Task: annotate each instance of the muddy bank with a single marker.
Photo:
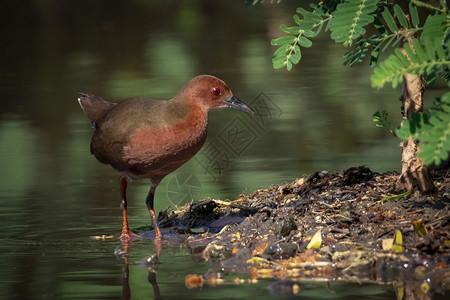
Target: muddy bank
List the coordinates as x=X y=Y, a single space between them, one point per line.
x=367 y=233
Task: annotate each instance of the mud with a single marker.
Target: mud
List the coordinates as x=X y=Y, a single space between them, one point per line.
x=370 y=232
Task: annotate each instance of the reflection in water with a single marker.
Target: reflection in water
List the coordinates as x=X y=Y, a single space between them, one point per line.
x=152 y=280
x=149 y=263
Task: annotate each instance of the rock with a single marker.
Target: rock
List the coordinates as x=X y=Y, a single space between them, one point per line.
x=280 y=250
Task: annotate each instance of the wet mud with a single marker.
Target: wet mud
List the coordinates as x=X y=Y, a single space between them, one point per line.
x=367 y=232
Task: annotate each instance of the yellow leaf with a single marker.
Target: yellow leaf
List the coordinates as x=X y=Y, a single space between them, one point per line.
x=397 y=248
x=316 y=240
x=399 y=289
x=257 y=260
x=387 y=244
x=419 y=227
x=425 y=287
x=398 y=241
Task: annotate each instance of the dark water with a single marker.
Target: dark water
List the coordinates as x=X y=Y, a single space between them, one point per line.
x=55 y=195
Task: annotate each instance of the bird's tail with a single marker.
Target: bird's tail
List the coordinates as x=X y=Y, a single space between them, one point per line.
x=94 y=107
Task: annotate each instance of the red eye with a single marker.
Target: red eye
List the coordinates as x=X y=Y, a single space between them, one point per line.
x=215 y=91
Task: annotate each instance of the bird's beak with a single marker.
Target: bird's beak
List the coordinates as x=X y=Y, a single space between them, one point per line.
x=234 y=102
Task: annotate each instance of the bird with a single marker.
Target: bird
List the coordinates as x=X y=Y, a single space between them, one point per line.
x=146 y=138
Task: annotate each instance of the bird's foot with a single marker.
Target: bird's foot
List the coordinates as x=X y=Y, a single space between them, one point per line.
x=128 y=236
x=158 y=234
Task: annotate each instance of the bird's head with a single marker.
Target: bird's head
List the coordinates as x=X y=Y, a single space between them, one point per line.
x=210 y=92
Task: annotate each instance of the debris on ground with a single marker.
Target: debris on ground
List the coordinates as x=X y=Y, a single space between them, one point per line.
x=351 y=226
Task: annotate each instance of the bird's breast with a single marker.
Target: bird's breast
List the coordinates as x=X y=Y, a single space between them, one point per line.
x=154 y=152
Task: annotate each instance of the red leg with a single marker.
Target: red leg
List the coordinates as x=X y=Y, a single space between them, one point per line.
x=126 y=235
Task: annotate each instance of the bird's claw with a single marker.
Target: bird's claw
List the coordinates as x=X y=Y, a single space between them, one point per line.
x=128 y=236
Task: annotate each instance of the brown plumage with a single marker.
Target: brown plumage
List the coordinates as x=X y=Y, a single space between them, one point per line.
x=147 y=138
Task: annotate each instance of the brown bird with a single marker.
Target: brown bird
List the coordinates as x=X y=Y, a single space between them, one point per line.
x=147 y=138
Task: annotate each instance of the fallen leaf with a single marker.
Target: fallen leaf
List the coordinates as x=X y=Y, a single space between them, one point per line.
x=398 y=241
x=398 y=289
x=316 y=240
x=425 y=287
x=419 y=227
x=386 y=244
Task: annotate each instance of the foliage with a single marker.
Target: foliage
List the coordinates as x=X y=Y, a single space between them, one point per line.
x=421 y=60
x=380 y=118
x=432 y=130
x=350 y=18
x=309 y=25
x=254 y=2
x=421 y=47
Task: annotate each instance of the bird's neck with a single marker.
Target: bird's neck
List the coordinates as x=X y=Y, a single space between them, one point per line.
x=194 y=121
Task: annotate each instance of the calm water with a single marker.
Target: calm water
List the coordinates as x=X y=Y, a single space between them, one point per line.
x=55 y=195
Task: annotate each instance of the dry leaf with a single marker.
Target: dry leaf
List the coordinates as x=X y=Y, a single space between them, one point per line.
x=316 y=240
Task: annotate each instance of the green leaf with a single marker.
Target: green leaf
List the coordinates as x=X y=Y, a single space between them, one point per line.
x=405 y=130
x=440 y=51
x=289 y=39
x=429 y=49
x=397 y=41
x=279 y=62
x=380 y=118
x=281 y=51
x=290 y=30
x=350 y=18
x=419 y=51
x=401 y=58
x=432 y=28
x=288 y=65
x=411 y=55
x=304 y=42
x=295 y=58
x=400 y=16
x=388 y=43
x=389 y=20
x=414 y=15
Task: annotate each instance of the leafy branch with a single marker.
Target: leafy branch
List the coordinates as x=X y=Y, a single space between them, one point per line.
x=307 y=27
x=421 y=50
x=385 y=38
x=350 y=18
x=432 y=130
x=381 y=120
x=431 y=7
x=416 y=61
x=254 y=2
